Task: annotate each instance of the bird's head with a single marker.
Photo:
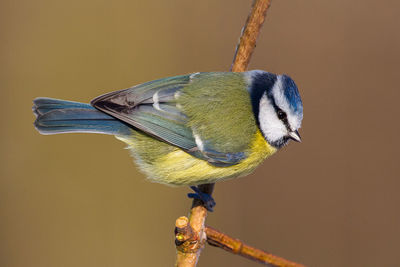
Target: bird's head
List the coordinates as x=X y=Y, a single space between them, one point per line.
x=277 y=106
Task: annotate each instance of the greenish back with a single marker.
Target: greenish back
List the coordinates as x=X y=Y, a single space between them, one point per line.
x=219 y=111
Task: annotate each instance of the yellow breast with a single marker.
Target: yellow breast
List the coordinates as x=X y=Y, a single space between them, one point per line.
x=177 y=167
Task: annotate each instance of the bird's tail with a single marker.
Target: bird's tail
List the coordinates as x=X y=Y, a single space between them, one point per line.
x=54 y=116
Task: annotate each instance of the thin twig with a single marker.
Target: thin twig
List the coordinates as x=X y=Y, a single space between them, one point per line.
x=190 y=234
x=250 y=32
x=218 y=239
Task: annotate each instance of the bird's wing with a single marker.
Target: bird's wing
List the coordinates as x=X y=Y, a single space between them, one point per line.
x=156 y=109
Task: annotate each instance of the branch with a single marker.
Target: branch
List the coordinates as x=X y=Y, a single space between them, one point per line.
x=250 y=32
x=235 y=246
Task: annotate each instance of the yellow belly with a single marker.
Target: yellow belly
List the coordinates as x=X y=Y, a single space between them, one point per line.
x=173 y=166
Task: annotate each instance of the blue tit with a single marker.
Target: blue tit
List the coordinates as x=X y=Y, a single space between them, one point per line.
x=190 y=129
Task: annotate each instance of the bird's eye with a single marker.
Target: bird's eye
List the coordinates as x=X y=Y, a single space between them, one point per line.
x=281 y=115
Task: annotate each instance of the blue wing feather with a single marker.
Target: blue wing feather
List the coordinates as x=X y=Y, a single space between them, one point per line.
x=161 y=118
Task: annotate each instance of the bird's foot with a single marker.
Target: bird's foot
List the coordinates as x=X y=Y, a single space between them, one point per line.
x=209 y=202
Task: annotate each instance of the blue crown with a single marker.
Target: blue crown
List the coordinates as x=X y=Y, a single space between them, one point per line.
x=292 y=94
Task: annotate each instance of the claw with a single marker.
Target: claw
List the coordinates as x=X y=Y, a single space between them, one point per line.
x=207 y=199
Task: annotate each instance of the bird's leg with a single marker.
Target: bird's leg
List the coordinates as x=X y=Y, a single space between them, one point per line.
x=209 y=202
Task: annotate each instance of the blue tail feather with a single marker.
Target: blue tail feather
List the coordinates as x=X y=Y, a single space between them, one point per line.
x=56 y=116
x=43 y=105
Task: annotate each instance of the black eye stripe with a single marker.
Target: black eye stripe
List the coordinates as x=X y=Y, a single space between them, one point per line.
x=286 y=122
x=278 y=110
x=282 y=116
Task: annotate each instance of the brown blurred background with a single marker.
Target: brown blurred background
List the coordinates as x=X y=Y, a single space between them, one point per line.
x=77 y=200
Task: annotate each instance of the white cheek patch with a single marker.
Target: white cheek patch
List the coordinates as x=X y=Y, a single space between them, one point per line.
x=272 y=128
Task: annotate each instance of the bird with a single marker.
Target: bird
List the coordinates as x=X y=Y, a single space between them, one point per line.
x=191 y=129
